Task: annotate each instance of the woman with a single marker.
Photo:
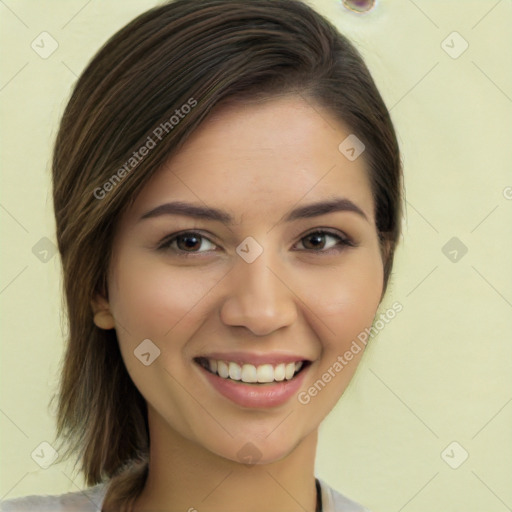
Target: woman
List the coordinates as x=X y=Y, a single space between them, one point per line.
x=227 y=193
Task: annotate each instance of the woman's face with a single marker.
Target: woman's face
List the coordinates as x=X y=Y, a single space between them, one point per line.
x=260 y=289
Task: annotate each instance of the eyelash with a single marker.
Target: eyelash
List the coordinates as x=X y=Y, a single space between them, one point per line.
x=343 y=242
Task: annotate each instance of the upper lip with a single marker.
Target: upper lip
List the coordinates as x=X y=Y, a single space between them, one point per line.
x=255 y=359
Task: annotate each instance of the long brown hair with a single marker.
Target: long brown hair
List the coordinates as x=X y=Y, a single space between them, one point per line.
x=198 y=53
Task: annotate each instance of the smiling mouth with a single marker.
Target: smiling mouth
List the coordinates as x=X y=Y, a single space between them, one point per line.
x=252 y=374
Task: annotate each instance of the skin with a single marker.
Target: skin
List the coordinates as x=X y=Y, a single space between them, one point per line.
x=269 y=157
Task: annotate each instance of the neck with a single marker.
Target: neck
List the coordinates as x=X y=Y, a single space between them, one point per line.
x=183 y=476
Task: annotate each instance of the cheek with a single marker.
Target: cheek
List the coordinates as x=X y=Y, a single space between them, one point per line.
x=346 y=298
x=150 y=298
x=344 y=306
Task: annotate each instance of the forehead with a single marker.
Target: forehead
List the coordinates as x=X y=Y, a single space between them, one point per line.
x=271 y=155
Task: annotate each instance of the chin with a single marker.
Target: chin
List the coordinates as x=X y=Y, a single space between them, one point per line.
x=266 y=448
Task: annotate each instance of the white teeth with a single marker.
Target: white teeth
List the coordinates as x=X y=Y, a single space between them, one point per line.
x=222 y=369
x=290 y=370
x=235 y=372
x=280 y=372
x=266 y=373
x=251 y=374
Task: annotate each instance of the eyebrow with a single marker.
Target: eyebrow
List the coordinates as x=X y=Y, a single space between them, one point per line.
x=337 y=204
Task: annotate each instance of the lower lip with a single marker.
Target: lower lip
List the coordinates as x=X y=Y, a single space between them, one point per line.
x=256 y=395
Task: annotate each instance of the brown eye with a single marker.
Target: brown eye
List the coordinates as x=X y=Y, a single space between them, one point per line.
x=187 y=242
x=317 y=241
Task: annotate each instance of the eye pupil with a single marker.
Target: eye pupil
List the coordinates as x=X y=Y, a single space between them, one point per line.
x=190 y=241
x=318 y=239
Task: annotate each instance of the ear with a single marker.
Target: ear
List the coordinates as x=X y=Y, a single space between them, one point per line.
x=103 y=317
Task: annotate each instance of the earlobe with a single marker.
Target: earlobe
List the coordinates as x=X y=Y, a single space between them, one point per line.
x=103 y=317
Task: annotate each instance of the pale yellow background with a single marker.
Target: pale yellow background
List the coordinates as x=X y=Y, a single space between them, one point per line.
x=439 y=372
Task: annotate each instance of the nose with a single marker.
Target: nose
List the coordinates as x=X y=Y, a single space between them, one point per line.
x=259 y=297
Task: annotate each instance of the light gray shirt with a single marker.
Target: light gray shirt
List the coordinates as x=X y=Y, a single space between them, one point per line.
x=91 y=500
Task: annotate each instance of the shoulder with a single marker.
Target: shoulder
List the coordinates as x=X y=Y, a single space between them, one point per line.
x=88 y=500
x=333 y=501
